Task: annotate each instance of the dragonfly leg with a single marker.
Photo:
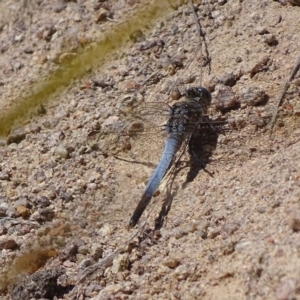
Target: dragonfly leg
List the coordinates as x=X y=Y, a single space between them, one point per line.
x=159 y=221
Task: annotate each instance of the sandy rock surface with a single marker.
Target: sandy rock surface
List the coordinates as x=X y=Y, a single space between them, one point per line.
x=233 y=230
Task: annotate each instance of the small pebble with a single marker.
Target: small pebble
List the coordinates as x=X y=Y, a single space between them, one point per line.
x=262 y=30
x=106 y=230
x=69 y=251
x=22 y=211
x=229 y=228
x=228 y=79
x=61 y=151
x=77 y=18
x=4 y=176
x=16 y=136
x=224 y=98
x=59 y=7
x=68 y=264
x=34 y=128
x=137 y=36
x=182 y=272
x=102 y=15
x=261 y=209
x=47 y=214
x=131 y=85
x=83 y=249
x=86 y=263
x=120 y=263
x=8 y=243
x=228 y=248
x=50 y=123
x=238 y=59
x=175 y=94
x=270 y=39
x=96 y=251
x=213 y=232
x=253 y=95
x=42 y=201
x=243 y=246
x=294 y=221
x=171 y=263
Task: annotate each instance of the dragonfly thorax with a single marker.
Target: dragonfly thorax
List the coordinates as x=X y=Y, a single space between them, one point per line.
x=185 y=116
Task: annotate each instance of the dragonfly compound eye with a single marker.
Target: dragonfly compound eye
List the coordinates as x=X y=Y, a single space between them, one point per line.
x=199 y=94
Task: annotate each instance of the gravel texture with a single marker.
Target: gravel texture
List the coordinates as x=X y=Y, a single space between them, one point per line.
x=233 y=232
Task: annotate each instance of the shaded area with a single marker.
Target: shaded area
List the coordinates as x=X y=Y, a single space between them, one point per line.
x=42 y=284
x=201 y=146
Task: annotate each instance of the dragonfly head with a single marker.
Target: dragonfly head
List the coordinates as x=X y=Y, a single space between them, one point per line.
x=199 y=94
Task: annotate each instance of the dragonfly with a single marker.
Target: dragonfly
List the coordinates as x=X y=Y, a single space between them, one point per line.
x=185 y=117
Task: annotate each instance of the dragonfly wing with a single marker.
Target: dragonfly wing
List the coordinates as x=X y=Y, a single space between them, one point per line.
x=136 y=133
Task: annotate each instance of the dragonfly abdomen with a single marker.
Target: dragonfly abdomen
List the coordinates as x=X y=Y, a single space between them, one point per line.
x=172 y=145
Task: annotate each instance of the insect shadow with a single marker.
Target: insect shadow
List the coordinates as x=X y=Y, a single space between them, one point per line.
x=201 y=146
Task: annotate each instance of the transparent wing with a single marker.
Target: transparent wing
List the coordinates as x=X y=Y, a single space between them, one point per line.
x=138 y=125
